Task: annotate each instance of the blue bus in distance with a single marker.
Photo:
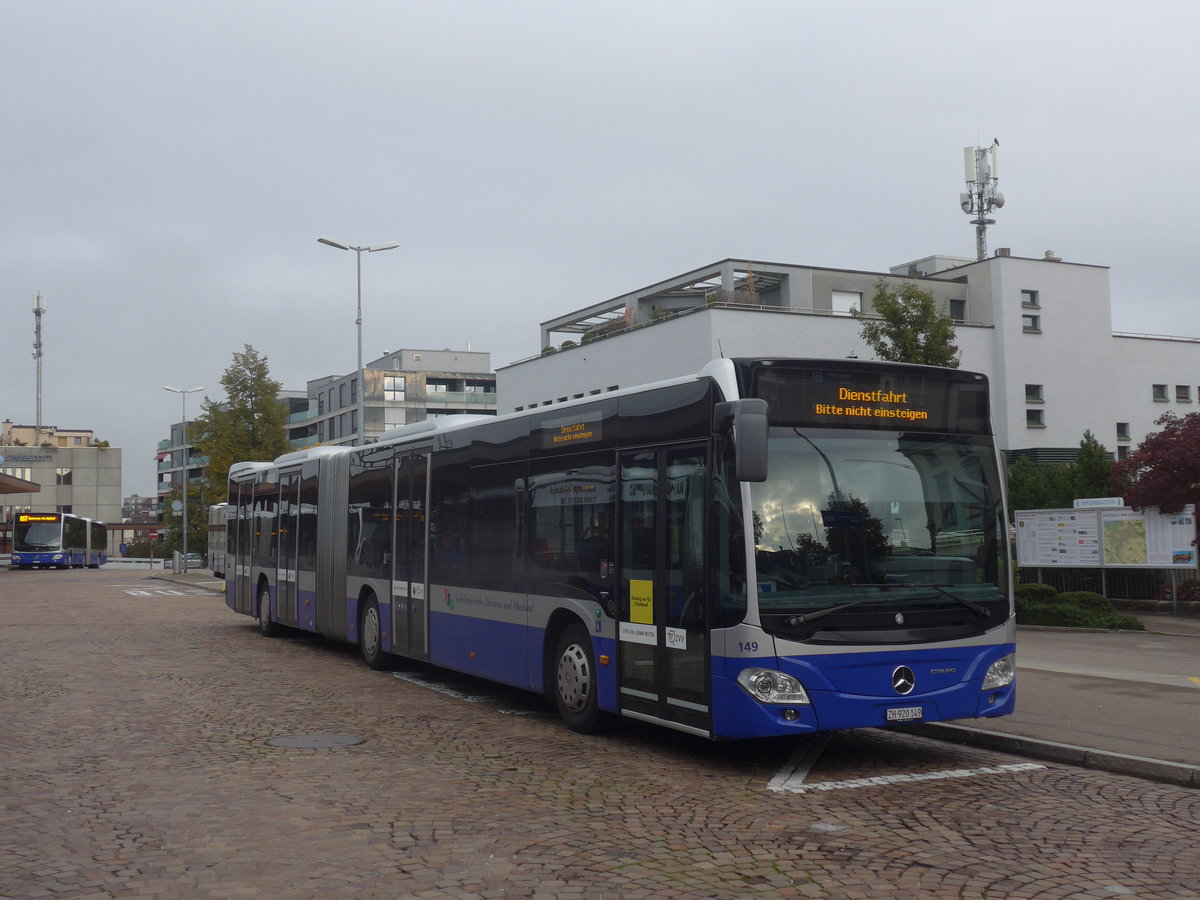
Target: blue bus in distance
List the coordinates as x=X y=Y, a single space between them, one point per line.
x=58 y=541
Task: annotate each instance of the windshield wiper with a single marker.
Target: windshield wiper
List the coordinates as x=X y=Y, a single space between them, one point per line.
x=974 y=607
x=821 y=613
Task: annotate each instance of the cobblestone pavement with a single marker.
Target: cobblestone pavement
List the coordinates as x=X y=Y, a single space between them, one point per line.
x=134 y=730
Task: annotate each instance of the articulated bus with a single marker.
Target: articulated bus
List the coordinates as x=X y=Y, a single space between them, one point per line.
x=59 y=541
x=769 y=547
x=217 y=540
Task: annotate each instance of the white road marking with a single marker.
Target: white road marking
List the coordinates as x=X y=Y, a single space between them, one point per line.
x=441 y=687
x=787 y=785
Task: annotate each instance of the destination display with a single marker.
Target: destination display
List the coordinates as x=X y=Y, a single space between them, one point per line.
x=1102 y=537
x=569 y=433
x=946 y=400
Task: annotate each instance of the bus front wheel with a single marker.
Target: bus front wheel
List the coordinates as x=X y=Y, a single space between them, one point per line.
x=575 y=690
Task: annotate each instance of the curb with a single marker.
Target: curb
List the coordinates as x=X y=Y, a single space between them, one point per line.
x=1180 y=774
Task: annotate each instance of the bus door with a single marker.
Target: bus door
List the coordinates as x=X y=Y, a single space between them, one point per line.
x=662 y=627
x=238 y=567
x=410 y=606
x=288 y=527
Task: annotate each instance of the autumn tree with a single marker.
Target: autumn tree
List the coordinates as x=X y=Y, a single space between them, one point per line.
x=907 y=327
x=1164 y=471
x=250 y=424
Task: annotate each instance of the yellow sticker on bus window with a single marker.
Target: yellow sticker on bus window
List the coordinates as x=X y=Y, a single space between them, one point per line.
x=641 y=601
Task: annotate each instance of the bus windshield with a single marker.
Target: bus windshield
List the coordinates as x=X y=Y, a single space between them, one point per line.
x=30 y=536
x=879 y=530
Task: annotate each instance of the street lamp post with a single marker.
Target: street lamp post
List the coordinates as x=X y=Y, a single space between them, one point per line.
x=362 y=376
x=183 y=392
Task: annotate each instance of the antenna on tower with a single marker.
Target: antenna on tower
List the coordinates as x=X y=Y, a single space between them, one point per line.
x=38 y=310
x=981 y=196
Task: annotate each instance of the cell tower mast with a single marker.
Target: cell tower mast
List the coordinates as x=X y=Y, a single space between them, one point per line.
x=38 y=311
x=981 y=197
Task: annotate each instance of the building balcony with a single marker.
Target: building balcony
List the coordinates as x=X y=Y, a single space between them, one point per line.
x=460 y=398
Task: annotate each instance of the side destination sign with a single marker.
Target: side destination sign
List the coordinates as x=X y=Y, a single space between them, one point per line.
x=944 y=400
x=566 y=434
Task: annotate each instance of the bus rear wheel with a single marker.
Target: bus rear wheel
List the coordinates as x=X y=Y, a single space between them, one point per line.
x=370 y=636
x=266 y=627
x=575 y=687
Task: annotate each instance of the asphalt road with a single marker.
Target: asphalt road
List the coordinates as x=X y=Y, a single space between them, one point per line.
x=1122 y=692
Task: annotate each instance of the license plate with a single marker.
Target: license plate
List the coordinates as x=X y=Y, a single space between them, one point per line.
x=905 y=714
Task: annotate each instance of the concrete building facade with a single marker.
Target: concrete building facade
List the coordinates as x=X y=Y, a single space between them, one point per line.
x=1039 y=328
x=84 y=480
x=402 y=386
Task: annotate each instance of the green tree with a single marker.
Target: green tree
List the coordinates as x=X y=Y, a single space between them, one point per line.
x=908 y=328
x=1057 y=485
x=1092 y=470
x=1029 y=485
x=250 y=424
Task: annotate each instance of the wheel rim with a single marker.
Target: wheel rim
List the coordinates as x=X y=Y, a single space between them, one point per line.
x=370 y=631
x=264 y=606
x=574 y=678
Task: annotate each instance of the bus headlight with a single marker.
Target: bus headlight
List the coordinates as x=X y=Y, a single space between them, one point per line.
x=770 y=686
x=1000 y=673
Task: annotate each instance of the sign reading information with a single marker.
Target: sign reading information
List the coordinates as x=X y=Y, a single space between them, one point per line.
x=1101 y=536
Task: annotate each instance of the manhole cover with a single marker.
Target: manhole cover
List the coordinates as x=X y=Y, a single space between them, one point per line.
x=314 y=741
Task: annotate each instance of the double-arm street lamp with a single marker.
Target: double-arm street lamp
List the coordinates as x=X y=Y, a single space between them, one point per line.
x=183 y=392
x=358 y=252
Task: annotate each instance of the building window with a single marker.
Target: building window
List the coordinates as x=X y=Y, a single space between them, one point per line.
x=62 y=476
x=393 y=417
x=1030 y=299
x=435 y=387
x=958 y=310
x=1033 y=394
x=846 y=302
x=1123 y=452
x=1160 y=393
x=393 y=387
x=1031 y=324
x=353 y=390
x=1035 y=418
x=1123 y=431
x=1183 y=393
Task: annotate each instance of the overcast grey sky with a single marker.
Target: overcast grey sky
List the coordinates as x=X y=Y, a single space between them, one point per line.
x=168 y=168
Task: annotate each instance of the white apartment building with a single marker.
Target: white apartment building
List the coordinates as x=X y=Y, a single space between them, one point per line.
x=1039 y=328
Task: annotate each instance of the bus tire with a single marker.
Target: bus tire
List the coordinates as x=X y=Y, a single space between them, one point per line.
x=266 y=627
x=370 y=635
x=576 y=693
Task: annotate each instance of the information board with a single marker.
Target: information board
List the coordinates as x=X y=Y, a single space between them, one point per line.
x=1120 y=538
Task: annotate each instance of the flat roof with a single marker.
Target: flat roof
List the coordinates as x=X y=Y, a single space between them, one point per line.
x=11 y=484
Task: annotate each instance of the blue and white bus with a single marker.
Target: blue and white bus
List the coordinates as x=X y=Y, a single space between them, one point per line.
x=58 y=540
x=769 y=547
